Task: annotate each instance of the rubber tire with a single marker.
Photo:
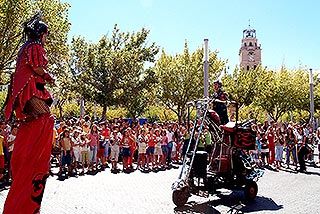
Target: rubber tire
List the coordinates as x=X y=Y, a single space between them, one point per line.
x=251 y=190
x=180 y=197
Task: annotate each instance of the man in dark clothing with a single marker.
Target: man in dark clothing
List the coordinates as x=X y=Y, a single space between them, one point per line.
x=302 y=153
x=220 y=108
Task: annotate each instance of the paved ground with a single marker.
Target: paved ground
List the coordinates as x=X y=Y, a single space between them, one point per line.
x=279 y=192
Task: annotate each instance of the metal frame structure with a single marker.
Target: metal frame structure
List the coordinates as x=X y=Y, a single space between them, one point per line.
x=181 y=186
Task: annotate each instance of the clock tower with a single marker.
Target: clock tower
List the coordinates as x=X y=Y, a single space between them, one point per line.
x=250 y=51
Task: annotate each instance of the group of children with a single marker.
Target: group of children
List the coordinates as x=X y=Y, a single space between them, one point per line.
x=81 y=146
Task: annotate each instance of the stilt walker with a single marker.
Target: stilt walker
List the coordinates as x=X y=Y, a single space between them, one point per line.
x=29 y=100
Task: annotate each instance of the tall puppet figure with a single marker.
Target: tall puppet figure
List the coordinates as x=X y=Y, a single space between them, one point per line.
x=29 y=100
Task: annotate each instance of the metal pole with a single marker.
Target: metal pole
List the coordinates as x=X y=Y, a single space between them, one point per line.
x=188 y=122
x=206 y=68
x=81 y=107
x=311 y=99
x=95 y=111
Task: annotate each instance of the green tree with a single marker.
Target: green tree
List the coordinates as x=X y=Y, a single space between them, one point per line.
x=13 y=13
x=181 y=78
x=135 y=97
x=243 y=86
x=283 y=91
x=69 y=87
x=112 y=72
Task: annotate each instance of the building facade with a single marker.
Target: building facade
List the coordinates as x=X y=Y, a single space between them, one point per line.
x=250 y=51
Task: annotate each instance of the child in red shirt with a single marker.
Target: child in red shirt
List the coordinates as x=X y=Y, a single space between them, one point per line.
x=150 y=149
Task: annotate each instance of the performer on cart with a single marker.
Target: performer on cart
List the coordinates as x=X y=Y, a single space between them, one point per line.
x=29 y=100
x=220 y=108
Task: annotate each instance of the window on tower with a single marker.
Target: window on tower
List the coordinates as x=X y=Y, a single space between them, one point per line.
x=248 y=68
x=245 y=44
x=254 y=67
x=250 y=44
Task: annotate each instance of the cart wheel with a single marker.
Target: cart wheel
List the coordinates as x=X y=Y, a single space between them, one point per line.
x=251 y=190
x=180 y=197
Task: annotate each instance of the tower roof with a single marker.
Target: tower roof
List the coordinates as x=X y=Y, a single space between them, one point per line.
x=249 y=33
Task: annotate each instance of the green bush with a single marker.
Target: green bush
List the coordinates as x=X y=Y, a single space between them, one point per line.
x=160 y=114
x=3 y=95
x=115 y=113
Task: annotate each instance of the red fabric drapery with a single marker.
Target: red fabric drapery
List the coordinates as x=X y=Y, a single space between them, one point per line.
x=23 y=84
x=30 y=165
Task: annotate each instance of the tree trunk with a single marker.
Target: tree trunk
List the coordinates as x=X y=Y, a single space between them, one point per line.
x=184 y=116
x=104 y=112
x=179 y=115
x=165 y=115
x=60 y=112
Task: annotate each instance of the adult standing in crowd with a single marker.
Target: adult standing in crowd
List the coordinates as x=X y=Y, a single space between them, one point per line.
x=271 y=142
x=302 y=149
x=29 y=99
x=279 y=142
x=170 y=136
x=291 y=147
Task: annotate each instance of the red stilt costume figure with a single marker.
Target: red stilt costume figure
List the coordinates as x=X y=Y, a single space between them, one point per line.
x=30 y=101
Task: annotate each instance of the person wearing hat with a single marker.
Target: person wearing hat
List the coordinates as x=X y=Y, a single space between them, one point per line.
x=220 y=108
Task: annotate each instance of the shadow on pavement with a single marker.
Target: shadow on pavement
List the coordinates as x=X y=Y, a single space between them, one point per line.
x=308 y=172
x=261 y=203
x=288 y=170
x=193 y=207
x=232 y=202
x=311 y=173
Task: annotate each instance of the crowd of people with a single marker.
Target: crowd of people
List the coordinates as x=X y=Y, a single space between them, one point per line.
x=80 y=146
x=297 y=141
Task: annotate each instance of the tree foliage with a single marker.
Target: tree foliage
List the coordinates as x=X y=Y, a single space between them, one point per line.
x=112 y=72
x=243 y=86
x=283 y=91
x=275 y=92
x=181 y=78
x=13 y=13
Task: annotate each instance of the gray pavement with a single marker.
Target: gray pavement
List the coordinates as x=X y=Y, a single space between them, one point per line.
x=279 y=192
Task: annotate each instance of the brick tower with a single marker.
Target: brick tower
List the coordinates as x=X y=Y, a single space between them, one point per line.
x=250 y=51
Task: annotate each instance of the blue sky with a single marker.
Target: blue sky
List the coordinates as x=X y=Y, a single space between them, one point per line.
x=288 y=31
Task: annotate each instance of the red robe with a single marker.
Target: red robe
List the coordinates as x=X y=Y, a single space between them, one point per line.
x=24 y=80
x=32 y=149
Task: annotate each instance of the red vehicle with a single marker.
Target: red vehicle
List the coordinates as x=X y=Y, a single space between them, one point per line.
x=227 y=165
